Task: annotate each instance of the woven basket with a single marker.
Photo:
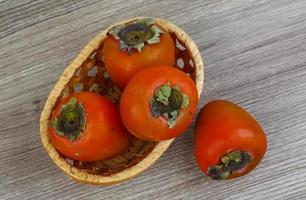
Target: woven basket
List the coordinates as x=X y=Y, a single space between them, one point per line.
x=87 y=73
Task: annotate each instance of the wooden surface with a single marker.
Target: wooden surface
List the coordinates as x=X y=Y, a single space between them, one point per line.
x=255 y=55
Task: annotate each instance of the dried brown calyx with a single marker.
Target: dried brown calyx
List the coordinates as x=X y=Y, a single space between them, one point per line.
x=230 y=163
x=71 y=120
x=136 y=35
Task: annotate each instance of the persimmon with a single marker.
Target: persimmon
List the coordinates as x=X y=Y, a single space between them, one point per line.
x=86 y=126
x=229 y=142
x=132 y=47
x=158 y=103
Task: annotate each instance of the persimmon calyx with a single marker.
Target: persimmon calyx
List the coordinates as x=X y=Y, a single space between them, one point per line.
x=167 y=103
x=136 y=35
x=71 y=121
x=230 y=163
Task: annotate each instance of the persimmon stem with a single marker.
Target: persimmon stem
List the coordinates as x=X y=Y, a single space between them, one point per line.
x=167 y=102
x=136 y=35
x=230 y=163
x=71 y=121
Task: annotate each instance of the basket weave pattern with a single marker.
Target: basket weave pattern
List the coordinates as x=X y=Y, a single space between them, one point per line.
x=87 y=73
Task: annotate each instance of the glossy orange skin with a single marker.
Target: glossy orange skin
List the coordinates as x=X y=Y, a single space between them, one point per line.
x=135 y=108
x=222 y=127
x=122 y=67
x=104 y=135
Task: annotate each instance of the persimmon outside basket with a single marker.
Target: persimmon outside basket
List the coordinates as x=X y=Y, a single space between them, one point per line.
x=87 y=73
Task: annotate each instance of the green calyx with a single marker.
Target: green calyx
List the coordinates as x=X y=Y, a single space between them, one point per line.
x=230 y=163
x=136 y=35
x=167 y=102
x=71 y=121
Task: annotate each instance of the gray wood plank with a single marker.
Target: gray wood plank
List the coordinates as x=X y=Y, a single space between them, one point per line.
x=254 y=53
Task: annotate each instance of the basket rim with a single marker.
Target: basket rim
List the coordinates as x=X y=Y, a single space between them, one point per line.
x=158 y=150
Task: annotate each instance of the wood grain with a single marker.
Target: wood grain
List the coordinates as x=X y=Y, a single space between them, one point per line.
x=255 y=55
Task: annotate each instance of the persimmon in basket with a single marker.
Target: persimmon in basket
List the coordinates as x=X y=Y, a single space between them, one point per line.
x=159 y=103
x=86 y=126
x=131 y=47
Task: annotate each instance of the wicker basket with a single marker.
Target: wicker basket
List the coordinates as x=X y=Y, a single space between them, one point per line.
x=87 y=73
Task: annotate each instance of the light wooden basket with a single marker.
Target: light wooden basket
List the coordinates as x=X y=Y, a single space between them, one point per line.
x=87 y=73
